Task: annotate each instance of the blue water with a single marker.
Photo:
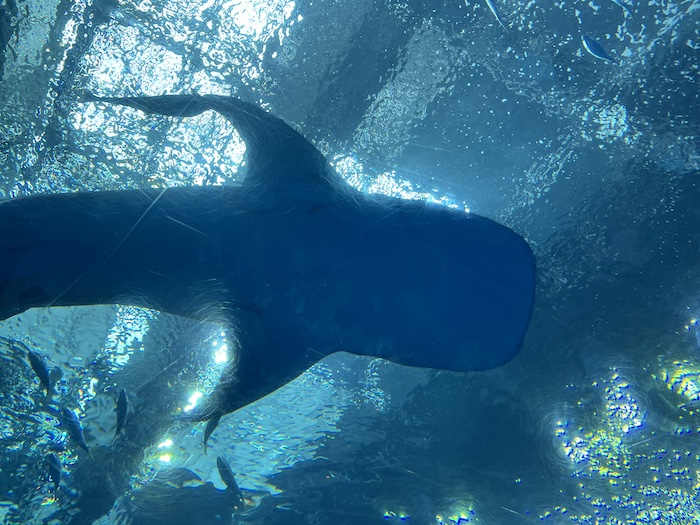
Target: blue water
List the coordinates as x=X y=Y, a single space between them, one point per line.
x=596 y=164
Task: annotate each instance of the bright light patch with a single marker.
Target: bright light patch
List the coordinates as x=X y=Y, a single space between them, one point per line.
x=387 y=183
x=192 y=402
x=258 y=20
x=683 y=378
x=126 y=335
x=166 y=443
x=91 y=387
x=452 y=520
x=47 y=501
x=221 y=354
x=165 y=458
x=193 y=483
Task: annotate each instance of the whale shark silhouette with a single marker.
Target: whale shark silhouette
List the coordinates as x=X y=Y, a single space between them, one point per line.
x=303 y=264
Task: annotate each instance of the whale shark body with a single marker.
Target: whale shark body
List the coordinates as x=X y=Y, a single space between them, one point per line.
x=301 y=263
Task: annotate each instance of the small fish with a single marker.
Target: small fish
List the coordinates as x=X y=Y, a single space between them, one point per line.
x=492 y=7
x=122 y=410
x=595 y=49
x=226 y=475
x=41 y=370
x=211 y=426
x=54 y=465
x=75 y=429
x=625 y=7
x=55 y=376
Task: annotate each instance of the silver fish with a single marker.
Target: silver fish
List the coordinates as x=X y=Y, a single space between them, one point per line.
x=625 y=7
x=55 y=468
x=595 y=49
x=74 y=428
x=492 y=7
x=229 y=480
x=41 y=370
x=122 y=410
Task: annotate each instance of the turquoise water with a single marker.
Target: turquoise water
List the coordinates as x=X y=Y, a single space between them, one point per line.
x=595 y=164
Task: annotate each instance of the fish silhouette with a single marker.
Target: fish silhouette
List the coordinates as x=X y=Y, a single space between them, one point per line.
x=122 y=411
x=53 y=464
x=492 y=6
x=595 y=49
x=209 y=429
x=302 y=264
x=74 y=428
x=226 y=475
x=41 y=371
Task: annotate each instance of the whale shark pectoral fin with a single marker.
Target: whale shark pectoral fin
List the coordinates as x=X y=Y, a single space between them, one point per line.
x=280 y=158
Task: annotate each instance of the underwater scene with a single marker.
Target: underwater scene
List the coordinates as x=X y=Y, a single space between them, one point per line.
x=333 y=262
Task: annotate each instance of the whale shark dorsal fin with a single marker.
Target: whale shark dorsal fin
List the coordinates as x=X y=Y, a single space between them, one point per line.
x=279 y=158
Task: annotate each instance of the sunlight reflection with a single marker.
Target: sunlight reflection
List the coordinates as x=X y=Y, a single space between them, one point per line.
x=126 y=335
x=192 y=401
x=257 y=20
x=221 y=354
x=165 y=443
x=387 y=183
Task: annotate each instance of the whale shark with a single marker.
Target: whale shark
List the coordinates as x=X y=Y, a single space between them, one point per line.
x=299 y=262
